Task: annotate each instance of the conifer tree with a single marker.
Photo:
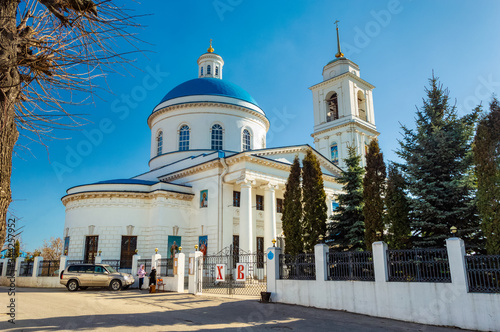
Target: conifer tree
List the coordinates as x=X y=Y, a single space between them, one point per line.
x=347 y=228
x=487 y=162
x=438 y=167
x=373 y=194
x=292 y=211
x=314 y=202
x=397 y=217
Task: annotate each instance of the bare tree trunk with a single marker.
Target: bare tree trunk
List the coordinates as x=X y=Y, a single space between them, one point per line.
x=9 y=92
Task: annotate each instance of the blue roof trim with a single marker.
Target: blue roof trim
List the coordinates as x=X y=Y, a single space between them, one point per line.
x=209 y=86
x=127 y=181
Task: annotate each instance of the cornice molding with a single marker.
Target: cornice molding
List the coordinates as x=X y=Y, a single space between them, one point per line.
x=205 y=104
x=129 y=195
x=339 y=77
x=347 y=124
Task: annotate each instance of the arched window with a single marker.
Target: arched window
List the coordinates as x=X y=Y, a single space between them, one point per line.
x=209 y=70
x=216 y=70
x=246 y=140
x=216 y=137
x=184 y=138
x=333 y=108
x=201 y=73
x=334 y=153
x=361 y=106
x=159 y=143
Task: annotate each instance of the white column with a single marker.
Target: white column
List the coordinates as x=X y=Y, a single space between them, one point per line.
x=246 y=218
x=456 y=257
x=320 y=251
x=196 y=278
x=3 y=272
x=18 y=266
x=269 y=215
x=379 y=250
x=98 y=259
x=62 y=263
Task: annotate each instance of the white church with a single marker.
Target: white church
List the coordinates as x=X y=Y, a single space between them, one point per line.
x=212 y=181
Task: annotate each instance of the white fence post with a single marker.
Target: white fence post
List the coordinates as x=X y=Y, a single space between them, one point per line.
x=273 y=269
x=154 y=261
x=181 y=258
x=379 y=251
x=135 y=262
x=18 y=265
x=36 y=265
x=62 y=263
x=456 y=257
x=98 y=259
x=320 y=251
x=196 y=276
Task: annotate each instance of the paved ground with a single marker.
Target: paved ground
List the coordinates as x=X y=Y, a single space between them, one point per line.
x=131 y=310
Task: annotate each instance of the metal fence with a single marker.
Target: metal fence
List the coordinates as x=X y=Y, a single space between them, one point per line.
x=299 y=267
x=351 y=265
x=26 y=269
x=48 y=268
x=11 y=267
x=483 y=273
x=165 y=267
x=418 y=265
x=1 y=268
x=116 y=264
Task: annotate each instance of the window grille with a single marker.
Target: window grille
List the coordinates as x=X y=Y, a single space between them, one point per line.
x=159 y=142
x=217 y=137
x=246 y=140
x=279 y=205
x=184 y=138
x=260 y=202
x=236 y=198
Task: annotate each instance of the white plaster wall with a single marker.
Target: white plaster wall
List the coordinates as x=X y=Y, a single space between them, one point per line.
x=200 y=121
x=40 y=282
x=428 y=303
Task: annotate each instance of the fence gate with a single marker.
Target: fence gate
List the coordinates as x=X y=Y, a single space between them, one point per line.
x=234 y=272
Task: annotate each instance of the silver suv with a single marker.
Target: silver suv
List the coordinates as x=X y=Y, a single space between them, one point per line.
x=94 y=275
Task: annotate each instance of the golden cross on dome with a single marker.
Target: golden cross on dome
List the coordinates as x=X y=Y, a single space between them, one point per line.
x=210 y=49
x=339 y=53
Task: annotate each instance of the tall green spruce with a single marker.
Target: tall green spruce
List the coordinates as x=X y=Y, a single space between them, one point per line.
x=487 y=161
x=347 y=228
x=397 y=210
x=373 y=193
x=314 y=202
x=438 y=169
x=292 y=211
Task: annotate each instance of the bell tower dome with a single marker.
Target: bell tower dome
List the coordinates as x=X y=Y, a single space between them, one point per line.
x=343 y=110
x=210 y=64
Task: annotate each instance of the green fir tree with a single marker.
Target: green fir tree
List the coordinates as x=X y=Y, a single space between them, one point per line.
x=347 y=228
x=438 y=169
x=397 y=210
x=373 y=195
x=487 y=166
x=314 y=202
x=292 y=211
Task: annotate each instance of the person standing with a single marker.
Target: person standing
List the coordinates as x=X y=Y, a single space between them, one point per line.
x=141 y=273
x=152 y=279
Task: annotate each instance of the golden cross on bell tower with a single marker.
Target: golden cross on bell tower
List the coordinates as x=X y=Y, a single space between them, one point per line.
x=210 y=49
x=339 y=53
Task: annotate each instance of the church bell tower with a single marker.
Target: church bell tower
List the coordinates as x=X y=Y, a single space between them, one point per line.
x=343 y=110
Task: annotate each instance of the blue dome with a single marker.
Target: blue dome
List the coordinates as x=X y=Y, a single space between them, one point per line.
x=209 y=86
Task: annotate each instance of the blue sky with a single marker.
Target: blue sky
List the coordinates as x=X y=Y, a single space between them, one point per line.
x=275 y=50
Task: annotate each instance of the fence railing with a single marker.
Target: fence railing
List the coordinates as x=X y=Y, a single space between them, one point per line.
x=351 y=265
x=165 y=267
x=300 y=267
x=418 y=265
x=1 y=268
x=483 y=273
x=117 y=265
x=48 y=268
x=11 y=267
x=26 y=269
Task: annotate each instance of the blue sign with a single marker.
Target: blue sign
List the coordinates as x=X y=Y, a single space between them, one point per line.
x=270 y=255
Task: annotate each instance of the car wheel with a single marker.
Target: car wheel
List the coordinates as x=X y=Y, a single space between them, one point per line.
x=125 y=287
x=115 y=285
x=83 y=288
x=72 y=285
